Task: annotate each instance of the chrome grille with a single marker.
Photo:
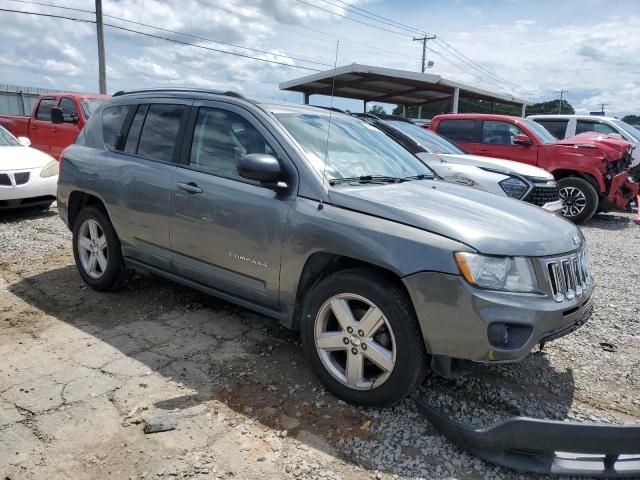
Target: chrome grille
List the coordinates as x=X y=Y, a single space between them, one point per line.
x=569 y=276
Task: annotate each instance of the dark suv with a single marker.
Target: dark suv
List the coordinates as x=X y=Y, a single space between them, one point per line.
x=323 y=222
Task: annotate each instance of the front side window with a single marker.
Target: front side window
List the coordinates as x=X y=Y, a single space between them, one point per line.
x=458 y=130
x=557 y=128
x=44 y=109
x=220 y=139
x=499 y=133
x=430 y=141
x=589 y=126
x=349 y=147
x=69 y=110
x=160 y=131
x=112 y=121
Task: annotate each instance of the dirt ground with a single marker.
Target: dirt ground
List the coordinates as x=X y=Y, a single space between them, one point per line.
x=82 y=373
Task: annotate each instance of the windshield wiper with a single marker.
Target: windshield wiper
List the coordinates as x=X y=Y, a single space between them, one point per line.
x=422 y=176
x=367 y=179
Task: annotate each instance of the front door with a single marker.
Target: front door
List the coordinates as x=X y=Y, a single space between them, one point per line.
x=226 y=231
x=40 y=127
x=65 y=133
x=497 y=141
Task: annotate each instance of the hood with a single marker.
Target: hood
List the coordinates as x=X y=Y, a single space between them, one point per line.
x=614 y=148
x=22 y=158
x=491 y=224
x=507 y=166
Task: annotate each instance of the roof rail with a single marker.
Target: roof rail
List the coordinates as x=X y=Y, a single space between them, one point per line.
x=183 y=90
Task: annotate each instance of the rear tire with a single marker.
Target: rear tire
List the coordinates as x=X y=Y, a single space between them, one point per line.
x=579 y=199
x=97 y=251
x=381 y=360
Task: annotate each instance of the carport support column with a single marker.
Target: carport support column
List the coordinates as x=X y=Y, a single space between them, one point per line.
x=456 y=99
x=306 y=98
x=524 y=110
x=364 y=106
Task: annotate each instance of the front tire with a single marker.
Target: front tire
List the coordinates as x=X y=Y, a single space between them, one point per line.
x=579 y=199
x=361 y=337
x=97 y=251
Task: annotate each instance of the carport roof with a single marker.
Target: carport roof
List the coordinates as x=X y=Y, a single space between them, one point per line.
x=387 y=85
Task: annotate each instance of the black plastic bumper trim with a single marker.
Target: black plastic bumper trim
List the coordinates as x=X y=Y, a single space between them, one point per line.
x=547 y=446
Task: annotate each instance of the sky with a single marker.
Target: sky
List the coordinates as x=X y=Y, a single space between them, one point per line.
x=532 y=50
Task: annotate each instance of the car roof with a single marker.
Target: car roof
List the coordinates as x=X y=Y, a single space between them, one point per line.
x=476 y=116
x=561 y=116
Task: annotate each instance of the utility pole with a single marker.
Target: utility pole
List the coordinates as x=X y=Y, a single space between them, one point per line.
x=424 y=48
x=602 y=108
x=561 y=92
x=102 y=74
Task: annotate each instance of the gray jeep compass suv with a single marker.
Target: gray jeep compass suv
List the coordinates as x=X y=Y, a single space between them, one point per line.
x=323 y=222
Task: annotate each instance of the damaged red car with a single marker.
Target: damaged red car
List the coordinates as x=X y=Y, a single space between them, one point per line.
x=591 y=168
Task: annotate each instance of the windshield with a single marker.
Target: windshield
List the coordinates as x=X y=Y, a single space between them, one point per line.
x=89 y=105
x=7 y=140
x=542 y=133
x=432 y=142
x=354 y=148
x=633 y=132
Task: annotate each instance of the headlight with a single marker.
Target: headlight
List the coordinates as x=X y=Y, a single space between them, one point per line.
x=513 y=274
x=50 y=169
x=514 y=187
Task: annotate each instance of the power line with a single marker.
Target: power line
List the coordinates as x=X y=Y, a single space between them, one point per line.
x=162 y=38
x=176 y=32
x=354 y=20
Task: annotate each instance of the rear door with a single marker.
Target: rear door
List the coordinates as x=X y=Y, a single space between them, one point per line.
x=145 y=153
x=497 y=141
x=464 y=132
x=226 y=231
x=40 y=127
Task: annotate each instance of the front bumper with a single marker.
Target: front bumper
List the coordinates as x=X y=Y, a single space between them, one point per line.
x=455 y=317
x=621 y=191
x=36 y=191
x=547 y=446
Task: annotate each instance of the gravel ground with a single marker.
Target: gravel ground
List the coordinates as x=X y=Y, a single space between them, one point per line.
x=83 y=374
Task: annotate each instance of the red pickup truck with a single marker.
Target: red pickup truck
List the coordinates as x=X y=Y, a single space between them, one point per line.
x=73 y=110
x=591 y=168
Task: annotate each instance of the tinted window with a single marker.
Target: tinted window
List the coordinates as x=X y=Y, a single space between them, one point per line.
x=44 y=109
x=220 y=139
x=499 y=133
x=131 y=145
x=557 y=128
x=458 y=130
x=69 y=110
x=160 y=131
x=112 y=120
x=588 y=126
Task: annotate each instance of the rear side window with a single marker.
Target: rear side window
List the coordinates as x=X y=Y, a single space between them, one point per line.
x=160 y=131
x=44 y=109
x=458 y=130
x=112 y=121
x=557 y=128
x=589 y=126
x=131 y=146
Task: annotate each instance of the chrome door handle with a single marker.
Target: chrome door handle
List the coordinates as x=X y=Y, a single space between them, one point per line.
x=190 y=187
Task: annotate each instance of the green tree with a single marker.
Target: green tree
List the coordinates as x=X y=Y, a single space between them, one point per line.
x=631 y=119
x=550 y=107
x=377 y=110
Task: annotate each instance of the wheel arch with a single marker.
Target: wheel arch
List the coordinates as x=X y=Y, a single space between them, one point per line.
x=79 y=200
x=564 y=173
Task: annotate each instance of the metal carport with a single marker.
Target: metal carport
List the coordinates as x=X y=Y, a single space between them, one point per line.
x=387 y=85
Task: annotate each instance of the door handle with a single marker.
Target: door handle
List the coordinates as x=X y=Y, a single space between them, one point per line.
x=191 y=187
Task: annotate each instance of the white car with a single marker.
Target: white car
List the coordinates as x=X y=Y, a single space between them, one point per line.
x=28 y=177
x=502 y=177
x=565 y=126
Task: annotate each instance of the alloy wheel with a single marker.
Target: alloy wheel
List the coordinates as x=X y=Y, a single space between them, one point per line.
x=92 y=248
x=355 y=342
x=573 y=201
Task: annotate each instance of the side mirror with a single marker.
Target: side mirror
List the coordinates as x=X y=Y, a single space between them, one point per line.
x=56 y=115
x=263 y=168
x=24 y=141
x=522 y=139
